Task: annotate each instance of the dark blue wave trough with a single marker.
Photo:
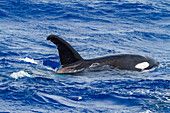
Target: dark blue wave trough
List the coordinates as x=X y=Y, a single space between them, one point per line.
x=28 y=82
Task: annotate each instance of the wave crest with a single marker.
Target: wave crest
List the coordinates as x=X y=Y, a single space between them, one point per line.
x=20 y=74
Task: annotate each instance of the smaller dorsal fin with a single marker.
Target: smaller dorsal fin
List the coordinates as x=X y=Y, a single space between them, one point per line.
x=67 y=53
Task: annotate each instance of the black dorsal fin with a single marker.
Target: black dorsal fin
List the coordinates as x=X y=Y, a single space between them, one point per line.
x=67 y=53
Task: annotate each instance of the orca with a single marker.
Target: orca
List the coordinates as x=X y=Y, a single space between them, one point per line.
x=72 y=62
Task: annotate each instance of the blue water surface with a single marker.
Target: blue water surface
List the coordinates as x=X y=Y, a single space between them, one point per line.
x=29 y=83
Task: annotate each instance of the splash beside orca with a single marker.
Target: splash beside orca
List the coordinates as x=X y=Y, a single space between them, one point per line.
x=72 y=62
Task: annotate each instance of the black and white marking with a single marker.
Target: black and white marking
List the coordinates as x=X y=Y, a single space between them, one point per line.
x=72 y=62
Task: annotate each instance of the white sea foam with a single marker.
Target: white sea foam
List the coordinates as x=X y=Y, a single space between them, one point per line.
x=79 y=98
x=28 y=60
x=49 y=68
x=20 y=74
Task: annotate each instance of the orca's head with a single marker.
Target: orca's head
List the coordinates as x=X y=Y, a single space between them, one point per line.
x=152 y=62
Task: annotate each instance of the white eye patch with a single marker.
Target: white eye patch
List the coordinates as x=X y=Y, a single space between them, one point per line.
x=142 y=65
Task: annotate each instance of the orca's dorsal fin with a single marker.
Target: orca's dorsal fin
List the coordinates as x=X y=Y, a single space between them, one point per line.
x=67 y=53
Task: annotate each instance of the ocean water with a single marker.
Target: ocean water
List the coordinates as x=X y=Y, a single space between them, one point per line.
x=29 y=83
